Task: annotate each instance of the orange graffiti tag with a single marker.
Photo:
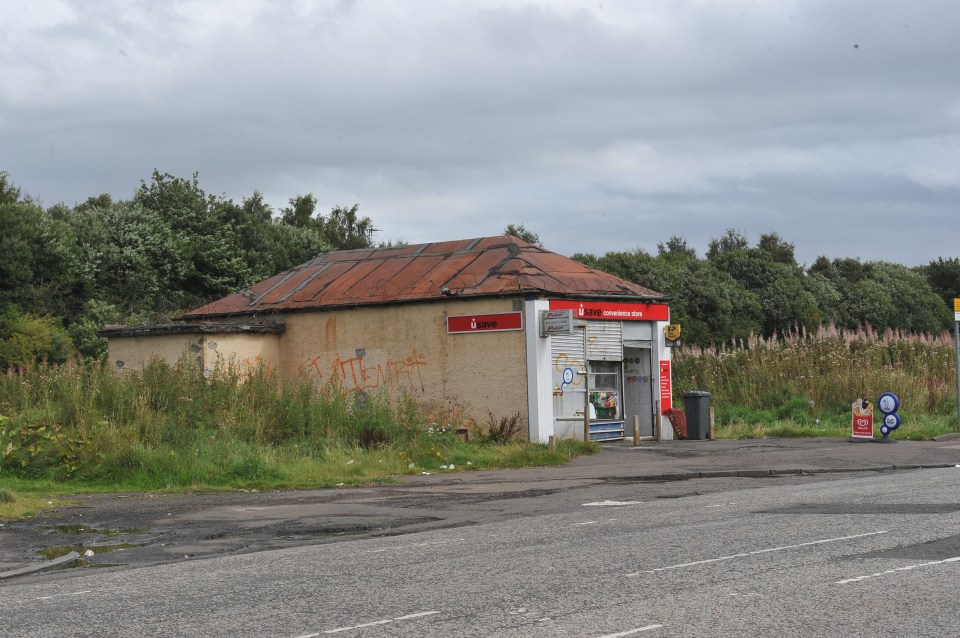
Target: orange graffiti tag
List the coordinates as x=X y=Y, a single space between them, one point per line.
x=359 y=374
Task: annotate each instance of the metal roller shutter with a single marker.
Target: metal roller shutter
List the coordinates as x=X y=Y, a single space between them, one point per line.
x=566 y=351
x=605 y=340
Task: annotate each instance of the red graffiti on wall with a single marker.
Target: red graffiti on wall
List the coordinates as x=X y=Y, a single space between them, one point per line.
x=359 y=374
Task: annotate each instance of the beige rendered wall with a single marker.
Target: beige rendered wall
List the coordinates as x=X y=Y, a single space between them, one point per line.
x=242 y=351
x=407 y=348
x=133 y=353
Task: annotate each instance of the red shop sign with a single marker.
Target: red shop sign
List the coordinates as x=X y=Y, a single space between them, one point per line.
x=495 y=322
x=613 y=311
x=666 y=392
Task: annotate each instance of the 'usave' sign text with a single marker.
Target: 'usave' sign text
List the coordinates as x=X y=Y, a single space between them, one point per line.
x=494 y=322
x=613 y=311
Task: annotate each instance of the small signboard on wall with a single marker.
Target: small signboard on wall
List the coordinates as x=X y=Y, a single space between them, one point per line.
x=556 y=322
x=495 y=322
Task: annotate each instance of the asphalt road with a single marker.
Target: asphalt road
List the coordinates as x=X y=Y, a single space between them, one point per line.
x=876 y=554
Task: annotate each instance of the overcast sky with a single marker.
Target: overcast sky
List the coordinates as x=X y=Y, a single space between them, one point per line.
x=602 y=125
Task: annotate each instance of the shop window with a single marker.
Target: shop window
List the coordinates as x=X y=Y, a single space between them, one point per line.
x=605 y=390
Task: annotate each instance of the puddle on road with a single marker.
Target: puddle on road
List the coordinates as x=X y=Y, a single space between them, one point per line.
x=57 y=552
x=95 y=546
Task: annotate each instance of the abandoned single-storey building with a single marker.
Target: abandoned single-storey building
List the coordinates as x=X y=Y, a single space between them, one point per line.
x=494 y=326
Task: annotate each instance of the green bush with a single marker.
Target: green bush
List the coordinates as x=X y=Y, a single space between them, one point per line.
x=33 y=445
x=27 y=338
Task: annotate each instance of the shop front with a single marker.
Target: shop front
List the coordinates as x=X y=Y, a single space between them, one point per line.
x=611 y=364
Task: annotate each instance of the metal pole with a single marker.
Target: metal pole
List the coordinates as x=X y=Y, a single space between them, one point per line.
x=586 y=388
x=956 y=335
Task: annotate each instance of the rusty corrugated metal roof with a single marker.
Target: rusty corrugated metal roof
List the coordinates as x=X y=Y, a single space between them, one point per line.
x=488 y=266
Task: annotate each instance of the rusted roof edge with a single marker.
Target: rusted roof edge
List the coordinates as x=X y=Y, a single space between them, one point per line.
x=529 y=293
x=204 y=327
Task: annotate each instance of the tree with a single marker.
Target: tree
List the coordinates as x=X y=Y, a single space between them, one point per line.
x=676 y=246
x=732 y=240
x=882 y=294
x=916 y=307
x=257 y=210
x=780 y=250
x=520 y=232
x=206 y=235
x=39 y=261
x=9 y=194
x=943 y=275
x=300 y=212
x=344 y=229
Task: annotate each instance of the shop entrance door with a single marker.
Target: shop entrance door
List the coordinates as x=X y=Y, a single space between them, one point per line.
x=638 y=389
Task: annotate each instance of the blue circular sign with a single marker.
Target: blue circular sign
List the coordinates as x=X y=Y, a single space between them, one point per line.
x=892 y=421
x=888 y=403
x=568 y=375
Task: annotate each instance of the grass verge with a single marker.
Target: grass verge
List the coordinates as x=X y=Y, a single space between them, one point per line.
x=89 y=428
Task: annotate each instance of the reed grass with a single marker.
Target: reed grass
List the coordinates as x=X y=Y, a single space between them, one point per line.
x=804 y=384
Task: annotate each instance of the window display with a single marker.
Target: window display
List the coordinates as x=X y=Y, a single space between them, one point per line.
x=605 y=389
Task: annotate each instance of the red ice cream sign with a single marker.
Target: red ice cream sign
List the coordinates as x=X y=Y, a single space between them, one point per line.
x=613 y=311
x=485 y=323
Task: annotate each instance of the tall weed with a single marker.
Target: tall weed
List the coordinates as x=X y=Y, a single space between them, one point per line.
x=808 y=378
x=173 y=426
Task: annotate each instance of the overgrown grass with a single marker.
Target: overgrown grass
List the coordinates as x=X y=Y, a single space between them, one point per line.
x=804 y=384
x=84 y=427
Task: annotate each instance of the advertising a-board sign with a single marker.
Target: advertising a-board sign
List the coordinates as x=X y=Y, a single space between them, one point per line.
x=613 y=311
x=495 y=322
x=862 y=421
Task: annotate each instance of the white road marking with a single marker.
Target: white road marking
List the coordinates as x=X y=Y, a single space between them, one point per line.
x=374 y=623
x=898 y=569
x=613 y=503
x=721 y=504
x=586 y=523
x=630 y=632
x=754 y=553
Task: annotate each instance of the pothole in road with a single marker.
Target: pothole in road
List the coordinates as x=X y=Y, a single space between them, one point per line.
x=296 y=532
x=83 y=529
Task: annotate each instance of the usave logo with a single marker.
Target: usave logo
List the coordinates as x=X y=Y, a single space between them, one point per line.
x=482 y=325
x=493 y=322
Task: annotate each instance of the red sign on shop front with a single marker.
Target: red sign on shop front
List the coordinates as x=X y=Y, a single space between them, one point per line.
x=613 y=311
x=666 y=391
x=495 y=322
